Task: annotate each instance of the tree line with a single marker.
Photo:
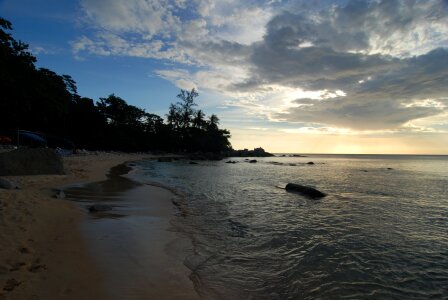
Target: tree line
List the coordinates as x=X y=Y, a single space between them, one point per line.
x=38 y=99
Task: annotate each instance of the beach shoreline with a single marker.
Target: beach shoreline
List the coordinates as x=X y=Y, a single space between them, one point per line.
x=43 y=254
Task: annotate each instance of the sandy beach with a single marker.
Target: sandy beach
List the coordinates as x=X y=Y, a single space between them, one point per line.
x=43 y=254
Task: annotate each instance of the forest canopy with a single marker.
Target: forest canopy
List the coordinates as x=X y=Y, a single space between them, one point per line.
x=38 y=99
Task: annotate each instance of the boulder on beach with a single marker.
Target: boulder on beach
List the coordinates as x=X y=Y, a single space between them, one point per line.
x=304 y=190
x=31 y=161
x=8 y=184
x=310 y=163
x=252 y=161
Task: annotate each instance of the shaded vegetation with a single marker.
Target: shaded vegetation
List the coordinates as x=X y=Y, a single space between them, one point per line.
x=38 y=99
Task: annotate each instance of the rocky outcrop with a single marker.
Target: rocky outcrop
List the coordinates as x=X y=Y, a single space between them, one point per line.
x=304 y=190
x=33 y=161
x=257 y=152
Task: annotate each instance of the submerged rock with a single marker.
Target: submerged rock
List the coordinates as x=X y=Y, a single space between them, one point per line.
x=305 y=190
x=164 y=159
x=99 y=207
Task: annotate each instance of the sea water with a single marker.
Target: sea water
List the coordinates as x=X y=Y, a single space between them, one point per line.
x=381 y=233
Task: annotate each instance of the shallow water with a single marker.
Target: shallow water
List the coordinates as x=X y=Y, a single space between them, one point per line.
x=137 y=250
x=380 y=233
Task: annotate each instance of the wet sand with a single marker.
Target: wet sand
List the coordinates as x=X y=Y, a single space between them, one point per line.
x=44 y=252
x=137 y=249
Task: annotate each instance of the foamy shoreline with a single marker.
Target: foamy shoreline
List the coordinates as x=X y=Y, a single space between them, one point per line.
x=42 y=253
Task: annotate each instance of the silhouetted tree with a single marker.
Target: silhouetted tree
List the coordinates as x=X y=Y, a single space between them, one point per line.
x=199 y=119
x=38 y=99
x=185 y=106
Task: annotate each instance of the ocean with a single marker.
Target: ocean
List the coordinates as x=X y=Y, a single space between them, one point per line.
x=380 y=233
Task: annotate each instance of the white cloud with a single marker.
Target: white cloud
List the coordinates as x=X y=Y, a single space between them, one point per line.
x=368 y=65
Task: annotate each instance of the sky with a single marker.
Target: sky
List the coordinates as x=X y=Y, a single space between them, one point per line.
x=364 y=77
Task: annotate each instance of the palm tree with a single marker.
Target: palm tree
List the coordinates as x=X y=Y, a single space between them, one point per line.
x=213 y=122
x=198 y=119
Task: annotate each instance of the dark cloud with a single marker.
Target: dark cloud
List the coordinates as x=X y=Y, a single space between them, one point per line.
x=333 y=51
x=385 y=101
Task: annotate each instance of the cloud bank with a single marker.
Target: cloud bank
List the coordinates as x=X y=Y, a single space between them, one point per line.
x=376 y=65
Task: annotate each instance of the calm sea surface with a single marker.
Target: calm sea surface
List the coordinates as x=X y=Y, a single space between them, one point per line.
x=381 y=233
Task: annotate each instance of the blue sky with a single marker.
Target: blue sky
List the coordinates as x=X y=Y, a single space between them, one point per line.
x=290 y=76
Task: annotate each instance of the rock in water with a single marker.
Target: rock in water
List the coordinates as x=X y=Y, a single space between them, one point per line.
x=34 y=161
x=304 y=190
x=8 y=184
x=99 y=207
x=164 y=159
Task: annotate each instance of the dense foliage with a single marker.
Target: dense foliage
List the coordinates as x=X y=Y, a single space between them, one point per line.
x=38 y=99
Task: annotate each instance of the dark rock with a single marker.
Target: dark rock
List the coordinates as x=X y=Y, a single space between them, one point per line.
x=8 y=184
x=60 y=194
x=310 y=163
x=99 y=207
x=305 y=190
x=231 y=162
x=390 y=168
x=297 y=155
x=257 y=152
x=292 y=165
x=252 y=161
x=193 y=163
x=164 y=159
x=33 y=161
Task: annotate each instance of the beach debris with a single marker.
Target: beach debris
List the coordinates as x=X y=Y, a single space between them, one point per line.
x=31 y=161
x=305 y=190
x=99 y=208
x=35 y=267
x=11 y=284
x=60 y=194
x=8 y=184
x=252 y=161
x=310 y=163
